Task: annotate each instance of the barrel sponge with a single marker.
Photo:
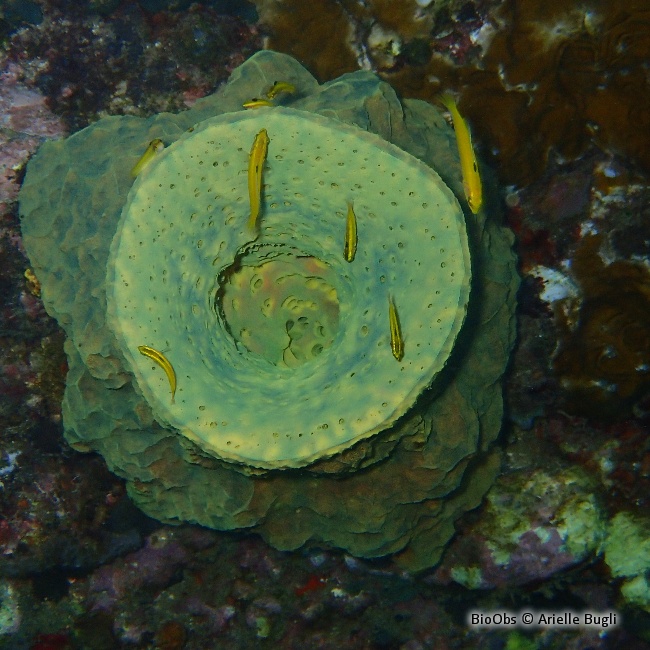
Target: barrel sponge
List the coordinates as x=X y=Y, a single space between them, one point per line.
x=280 y=346
x=291 y=417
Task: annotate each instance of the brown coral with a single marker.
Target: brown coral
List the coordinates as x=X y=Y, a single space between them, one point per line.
x=603 y=359
x=315 y=33
x=581 y=72
x=321 y=34
x=555 y=78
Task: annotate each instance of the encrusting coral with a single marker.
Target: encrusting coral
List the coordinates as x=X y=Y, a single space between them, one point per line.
x=603 y=356
x=554 y=77
x=577 y=76
x=399 y=476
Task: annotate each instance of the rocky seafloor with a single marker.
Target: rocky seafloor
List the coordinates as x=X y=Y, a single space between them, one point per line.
x=565 y=527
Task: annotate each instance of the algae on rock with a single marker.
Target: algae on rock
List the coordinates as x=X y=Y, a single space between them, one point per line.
x=393 y=482
x=627 y=554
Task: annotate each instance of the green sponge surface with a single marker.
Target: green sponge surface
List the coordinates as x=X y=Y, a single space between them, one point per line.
x=281 y=348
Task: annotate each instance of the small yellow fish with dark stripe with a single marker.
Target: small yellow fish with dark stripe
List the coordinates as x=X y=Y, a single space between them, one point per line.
x=350 y=243
x=154 y=148
x=257 y=102
x=163 y=362
x=255 y=165
x=396 y=340
x=468 y=164
x=280 y=87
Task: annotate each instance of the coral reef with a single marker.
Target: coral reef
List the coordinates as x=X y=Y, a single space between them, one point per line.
x=316 y=34
x=553 y=79
x=137 y=64
x=532 y=526
x=557 y=79
x=603 y=359
x=627 y=532
x=65 y=516
x=575 y=87
x=175 y=479
x=24 y=124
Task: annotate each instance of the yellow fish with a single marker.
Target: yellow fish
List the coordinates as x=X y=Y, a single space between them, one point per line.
x=396 y=340
x=162 y=361
x=468 y=164
x=33 y=285
x=154 y=148
x=257 y=103
x=350 y=244
x=280 y=87
x=255 y=165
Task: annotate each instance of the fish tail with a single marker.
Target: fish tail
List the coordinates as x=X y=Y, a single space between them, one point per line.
x=447 y=100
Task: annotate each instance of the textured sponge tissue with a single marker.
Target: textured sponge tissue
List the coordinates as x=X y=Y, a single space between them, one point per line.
x=184 y=230
x=281 y=348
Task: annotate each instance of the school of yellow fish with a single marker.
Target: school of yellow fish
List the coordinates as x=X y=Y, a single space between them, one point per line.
x=256 y=161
